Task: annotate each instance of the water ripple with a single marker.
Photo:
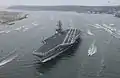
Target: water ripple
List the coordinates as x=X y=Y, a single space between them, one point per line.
x=8 y=58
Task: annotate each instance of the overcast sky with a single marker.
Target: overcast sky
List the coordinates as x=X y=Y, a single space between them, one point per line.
x=59 y=2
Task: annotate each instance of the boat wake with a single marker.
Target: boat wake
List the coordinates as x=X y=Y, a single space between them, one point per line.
x=102 y=68
x=8 y=31
x=111 y=24
x=19 y=29
x=92 y=49
x=35 y=24
x=8 y=58
x=96 y=26
x=25 y=29
x=5 y=32
x=108 y=28
x=22 y=28
x=90 y=33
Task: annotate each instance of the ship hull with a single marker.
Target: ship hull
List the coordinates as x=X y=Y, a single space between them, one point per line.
x=70 y=39
x=50 y=57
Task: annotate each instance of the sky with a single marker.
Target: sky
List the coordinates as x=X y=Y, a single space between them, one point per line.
x=60 y=2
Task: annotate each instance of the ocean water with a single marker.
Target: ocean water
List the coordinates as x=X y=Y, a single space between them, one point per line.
x=18 y=41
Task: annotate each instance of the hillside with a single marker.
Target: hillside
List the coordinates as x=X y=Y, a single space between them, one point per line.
x=67 y=8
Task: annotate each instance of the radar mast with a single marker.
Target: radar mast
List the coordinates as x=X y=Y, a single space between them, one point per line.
x=59 y=28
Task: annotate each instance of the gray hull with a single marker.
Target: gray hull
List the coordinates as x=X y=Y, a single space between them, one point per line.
x=65 y=41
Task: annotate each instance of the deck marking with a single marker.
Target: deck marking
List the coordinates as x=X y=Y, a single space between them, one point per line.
x=66 y=36
x=73 y=36
x=69 y=37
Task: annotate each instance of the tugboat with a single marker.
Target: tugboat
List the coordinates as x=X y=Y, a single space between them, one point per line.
x=58 y=43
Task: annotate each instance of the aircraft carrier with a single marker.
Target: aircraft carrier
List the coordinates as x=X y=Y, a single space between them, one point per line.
x=58 y=43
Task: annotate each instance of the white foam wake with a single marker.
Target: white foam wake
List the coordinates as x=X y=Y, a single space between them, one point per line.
x=25 y=29
x=2 y=32
x=96 y=26
x=8 y=58
x=22 y=28
x=8 y=31
x=115 y=32
x=90 y=33
x=5 y=32
x=92 y=49
x=111 y=24
x=35 y=24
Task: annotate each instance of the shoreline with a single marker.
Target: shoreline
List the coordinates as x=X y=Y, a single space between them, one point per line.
x=7 y=17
